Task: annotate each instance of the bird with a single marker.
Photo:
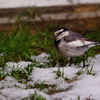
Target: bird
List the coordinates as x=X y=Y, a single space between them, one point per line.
x=72 y=44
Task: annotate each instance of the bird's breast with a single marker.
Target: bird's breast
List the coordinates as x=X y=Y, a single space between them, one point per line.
x=67 y=51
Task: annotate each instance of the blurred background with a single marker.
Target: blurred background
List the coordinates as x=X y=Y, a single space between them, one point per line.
x=78 y=15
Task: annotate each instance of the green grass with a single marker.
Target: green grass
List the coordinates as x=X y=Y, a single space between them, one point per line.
x=79 y=98
x=87 y=71
x=59 y=73
x=34 y=96
x=20 y=44
x=20 y=73
x=15 y=46
x=42 y=86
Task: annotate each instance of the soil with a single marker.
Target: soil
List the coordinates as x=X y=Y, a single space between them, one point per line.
x=75 y=24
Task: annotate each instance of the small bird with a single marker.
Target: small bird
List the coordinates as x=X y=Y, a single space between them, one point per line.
x=72 y=44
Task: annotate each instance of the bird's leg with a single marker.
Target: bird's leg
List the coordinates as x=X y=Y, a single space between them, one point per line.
x=84 y=61
x=71 y=59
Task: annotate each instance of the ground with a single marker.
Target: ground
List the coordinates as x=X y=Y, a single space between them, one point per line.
x=67 y=83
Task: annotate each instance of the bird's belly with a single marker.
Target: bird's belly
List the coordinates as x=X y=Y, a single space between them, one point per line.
x=70 y=54
x=73 y=52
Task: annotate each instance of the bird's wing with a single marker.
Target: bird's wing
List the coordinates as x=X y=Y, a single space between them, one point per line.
x=76 y=40
x=73 y=36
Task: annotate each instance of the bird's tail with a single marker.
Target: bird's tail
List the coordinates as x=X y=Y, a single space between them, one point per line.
x=93 y=44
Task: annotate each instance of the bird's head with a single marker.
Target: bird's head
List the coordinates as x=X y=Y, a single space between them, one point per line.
x=60 y=33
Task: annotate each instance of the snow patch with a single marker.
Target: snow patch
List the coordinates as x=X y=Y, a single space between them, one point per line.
x=86 y=86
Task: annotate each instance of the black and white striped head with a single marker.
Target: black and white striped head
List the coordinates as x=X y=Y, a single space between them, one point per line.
x=60 y=33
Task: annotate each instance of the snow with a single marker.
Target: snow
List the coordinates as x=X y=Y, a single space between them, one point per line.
x=38 y=3
x=85 y=86
x=42 y=58
x=13 y=66
x=9 y=82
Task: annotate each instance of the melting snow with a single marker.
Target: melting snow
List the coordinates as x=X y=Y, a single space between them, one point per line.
x=85 y=86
